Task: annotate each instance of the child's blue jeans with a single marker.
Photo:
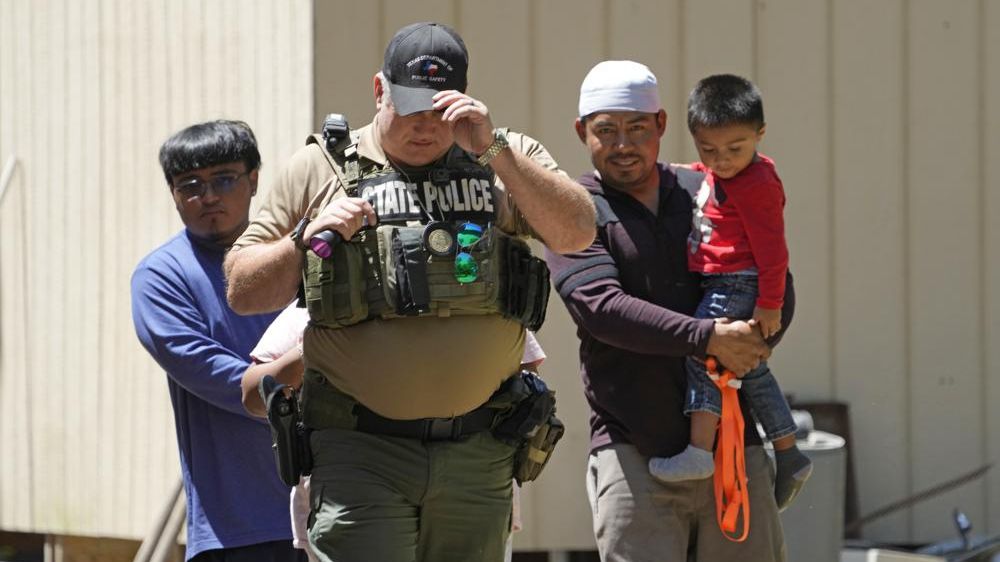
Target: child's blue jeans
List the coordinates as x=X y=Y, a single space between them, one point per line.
x=734 y=296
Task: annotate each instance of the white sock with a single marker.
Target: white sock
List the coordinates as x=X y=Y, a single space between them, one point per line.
x=691 y=464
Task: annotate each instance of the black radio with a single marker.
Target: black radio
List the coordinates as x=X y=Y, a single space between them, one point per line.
x=335 y=129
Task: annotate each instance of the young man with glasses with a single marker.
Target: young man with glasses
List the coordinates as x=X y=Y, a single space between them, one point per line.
x=237 y=507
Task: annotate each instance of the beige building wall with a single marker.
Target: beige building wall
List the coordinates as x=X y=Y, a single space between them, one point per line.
x=881 y=118
x=88 y=91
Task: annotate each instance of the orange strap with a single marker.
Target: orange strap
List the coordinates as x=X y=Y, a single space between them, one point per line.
x=731 y=495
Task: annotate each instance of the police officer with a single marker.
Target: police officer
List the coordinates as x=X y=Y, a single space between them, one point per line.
x=419 y=315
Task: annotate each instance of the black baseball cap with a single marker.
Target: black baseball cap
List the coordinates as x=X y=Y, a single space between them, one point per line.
x=421 y=60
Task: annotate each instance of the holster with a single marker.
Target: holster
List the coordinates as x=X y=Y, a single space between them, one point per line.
x=531 y=424
x=290 y=438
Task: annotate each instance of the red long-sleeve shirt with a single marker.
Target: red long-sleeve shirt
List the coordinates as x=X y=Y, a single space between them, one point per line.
x=738 y=225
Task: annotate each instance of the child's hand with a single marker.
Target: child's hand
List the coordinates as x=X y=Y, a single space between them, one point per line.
x=769 y=320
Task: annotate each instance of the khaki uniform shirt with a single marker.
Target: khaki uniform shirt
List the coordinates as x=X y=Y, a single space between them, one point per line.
x=405 y=368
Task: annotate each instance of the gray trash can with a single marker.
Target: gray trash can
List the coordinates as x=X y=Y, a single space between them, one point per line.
x=814 y=524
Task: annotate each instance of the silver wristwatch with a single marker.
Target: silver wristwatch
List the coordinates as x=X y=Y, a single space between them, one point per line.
x=499 y=143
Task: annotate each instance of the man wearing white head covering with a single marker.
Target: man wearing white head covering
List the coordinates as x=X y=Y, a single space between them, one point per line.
x=632 y=297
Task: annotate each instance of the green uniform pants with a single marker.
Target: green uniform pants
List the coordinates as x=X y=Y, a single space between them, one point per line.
x=395 y=499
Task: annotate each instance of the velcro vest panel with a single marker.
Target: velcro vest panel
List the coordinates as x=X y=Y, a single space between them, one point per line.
x=340 y=296
x=370 y=277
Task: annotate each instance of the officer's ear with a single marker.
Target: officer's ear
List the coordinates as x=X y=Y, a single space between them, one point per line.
x=581 y=129
x=379 y=90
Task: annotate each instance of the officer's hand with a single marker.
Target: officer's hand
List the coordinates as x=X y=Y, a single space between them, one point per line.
x=738 y=346
x=345 y=215
x=468 y=118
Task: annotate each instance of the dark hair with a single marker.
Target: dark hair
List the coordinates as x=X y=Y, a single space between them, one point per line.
x=724 y=99
x=209 y=144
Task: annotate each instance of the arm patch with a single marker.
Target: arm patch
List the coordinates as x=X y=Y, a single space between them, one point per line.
x=583 y=272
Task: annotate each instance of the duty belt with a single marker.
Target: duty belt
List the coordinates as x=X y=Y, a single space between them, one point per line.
x=325 y=407
x=426 y=429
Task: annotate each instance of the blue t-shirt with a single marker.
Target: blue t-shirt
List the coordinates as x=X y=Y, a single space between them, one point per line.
x=234 y=495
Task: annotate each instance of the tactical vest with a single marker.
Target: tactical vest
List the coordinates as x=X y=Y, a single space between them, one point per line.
x=390 y=272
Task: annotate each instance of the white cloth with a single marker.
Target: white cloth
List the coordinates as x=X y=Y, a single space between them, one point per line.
x=284 y=333
x=533 y=352
x=619 y=85
x=299 y=508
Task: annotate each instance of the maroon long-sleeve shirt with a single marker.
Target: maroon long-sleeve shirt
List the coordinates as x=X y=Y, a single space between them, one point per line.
x=632 y=296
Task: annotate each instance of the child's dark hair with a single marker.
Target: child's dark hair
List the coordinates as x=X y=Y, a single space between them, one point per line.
x=209 y=144
x=724 y=99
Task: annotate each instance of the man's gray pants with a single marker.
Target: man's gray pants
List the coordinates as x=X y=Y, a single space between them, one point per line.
x=637 y=518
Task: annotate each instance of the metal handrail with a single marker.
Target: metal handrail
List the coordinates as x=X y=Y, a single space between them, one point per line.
x=8 y=172
x=916 y=498
x=162 y=538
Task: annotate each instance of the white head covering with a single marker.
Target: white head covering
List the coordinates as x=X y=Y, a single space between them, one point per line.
x=619 y=85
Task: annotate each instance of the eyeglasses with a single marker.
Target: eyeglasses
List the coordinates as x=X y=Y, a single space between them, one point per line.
x=466 y=268
x=221 y=185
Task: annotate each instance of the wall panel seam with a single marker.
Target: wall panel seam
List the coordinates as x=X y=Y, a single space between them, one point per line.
x=680 y=29
x=102 y=320
x=907 y=258
x=984 y=267
x=314 y=106
x=25 y=306
x=831 y=201
x=203 y=52
x=67 y=490
x=755 y=42
x=606 y=29
x=383 y=39
x=532 y=32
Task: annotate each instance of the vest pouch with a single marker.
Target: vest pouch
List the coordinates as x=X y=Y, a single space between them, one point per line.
x=385 y=234
x=527 y=286
x=538 y=294
x=335 y=287
x=535 y=452
x=412 y=296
